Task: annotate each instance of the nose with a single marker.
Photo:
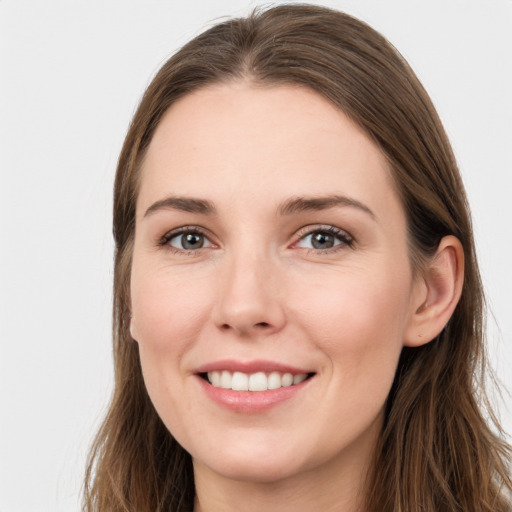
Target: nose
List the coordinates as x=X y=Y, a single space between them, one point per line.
x=249 y=301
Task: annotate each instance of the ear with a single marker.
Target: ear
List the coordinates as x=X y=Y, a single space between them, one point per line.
x=133 y=329
x=436 y=293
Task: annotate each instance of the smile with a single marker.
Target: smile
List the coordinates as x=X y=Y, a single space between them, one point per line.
x=252 y=386
x=259 y=381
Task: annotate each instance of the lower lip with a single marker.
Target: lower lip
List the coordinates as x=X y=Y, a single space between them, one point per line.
x=251 y=401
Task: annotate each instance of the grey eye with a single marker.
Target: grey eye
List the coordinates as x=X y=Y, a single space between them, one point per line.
x=322 y=239
x=189 y=241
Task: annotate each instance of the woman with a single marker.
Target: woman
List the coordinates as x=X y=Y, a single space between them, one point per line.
x=298 y=310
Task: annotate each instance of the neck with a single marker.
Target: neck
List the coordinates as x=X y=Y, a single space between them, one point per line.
x=277 y=497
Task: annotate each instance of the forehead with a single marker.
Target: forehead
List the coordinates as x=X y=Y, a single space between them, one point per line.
x=228 y=140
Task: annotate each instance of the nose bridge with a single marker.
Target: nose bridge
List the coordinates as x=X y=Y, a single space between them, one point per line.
x=248 y=300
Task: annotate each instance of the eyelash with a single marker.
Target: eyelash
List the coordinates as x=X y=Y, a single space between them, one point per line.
x=345 y=238
x=166 y=239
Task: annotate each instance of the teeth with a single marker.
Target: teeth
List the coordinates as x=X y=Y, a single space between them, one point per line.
x=225 y=380
x=297 y=379
x=259 y=381
x=240 y=382
x=274 y=380
x=287 y=380
x=215 y=379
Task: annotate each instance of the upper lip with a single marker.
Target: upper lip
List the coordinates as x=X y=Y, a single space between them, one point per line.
x=249 y=367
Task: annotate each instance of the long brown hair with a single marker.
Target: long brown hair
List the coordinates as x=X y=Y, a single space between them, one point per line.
x=436 y=452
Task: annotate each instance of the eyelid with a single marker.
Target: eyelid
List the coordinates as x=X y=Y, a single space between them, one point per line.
x=346 y=239
x=164 y=240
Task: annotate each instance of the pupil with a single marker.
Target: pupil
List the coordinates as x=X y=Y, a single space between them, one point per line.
x=192 y=241
x=323 y=241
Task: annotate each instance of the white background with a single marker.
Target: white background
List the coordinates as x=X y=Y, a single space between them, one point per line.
x=71 y=74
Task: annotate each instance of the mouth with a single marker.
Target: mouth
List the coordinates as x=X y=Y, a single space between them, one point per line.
x=252 y=387
x=256 y=382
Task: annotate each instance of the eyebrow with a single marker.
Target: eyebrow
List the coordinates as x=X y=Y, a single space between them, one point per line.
x=301 y=204
x=289 y=207
x=184 y=204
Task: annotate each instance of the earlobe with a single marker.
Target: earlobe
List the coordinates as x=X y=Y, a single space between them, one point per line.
x=440 y=291
x=132 y=328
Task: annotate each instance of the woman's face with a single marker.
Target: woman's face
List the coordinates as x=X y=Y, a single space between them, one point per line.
x=270 y=253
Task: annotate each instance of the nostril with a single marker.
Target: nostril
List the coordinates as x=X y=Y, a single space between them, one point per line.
x=245 y=328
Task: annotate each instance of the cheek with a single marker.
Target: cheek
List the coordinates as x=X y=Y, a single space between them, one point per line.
x=168 y=314
x=167 y=309
x=358 y=320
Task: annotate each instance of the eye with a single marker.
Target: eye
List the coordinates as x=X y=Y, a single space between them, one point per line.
x=323 y=239
x=187 y=240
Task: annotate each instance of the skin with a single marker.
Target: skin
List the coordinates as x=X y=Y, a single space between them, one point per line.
x=258 y=289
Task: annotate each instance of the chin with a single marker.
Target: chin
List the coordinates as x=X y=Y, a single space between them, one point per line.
x=260 y=462
x=255 y=471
